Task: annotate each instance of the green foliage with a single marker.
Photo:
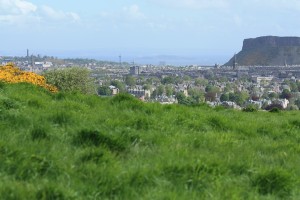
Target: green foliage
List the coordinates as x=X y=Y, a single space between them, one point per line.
x=104 y=90
x=286 y=94
x=239 y=97
x=169 y=90
x=130 y=81
x=160 y=90
x=250 y=108
x=211 y=88
x=71 y=80
x=182 y=99
x=119 y=85
x=75 y=146
x=224 y=97
x=201 y=82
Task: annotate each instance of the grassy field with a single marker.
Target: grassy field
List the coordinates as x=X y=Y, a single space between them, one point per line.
x=72 y=146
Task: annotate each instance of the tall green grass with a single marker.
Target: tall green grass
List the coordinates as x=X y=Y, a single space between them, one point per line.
x=73 y=146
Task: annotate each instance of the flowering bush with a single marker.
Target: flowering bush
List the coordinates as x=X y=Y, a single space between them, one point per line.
x=11 y=74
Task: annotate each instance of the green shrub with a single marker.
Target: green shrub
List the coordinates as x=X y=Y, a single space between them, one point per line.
x=71 y=80
x=250 y=108
x=275 y=110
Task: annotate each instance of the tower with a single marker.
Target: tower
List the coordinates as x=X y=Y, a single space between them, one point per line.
x=27 y=57
x=235 y=62
x=285 y=63
x=120 y=60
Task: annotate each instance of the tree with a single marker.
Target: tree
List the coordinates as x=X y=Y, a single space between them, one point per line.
x=169 y=90
x=210 y=96
x=255 y=97
x=130 y=81
x=104 y=90
x=294 y=86
x=154 y=94
x=239 y=97
x=297 y=102
x=187 y=78
x=168 y=80
x=227 y=88
x=73 y=79
x=119 y=85
x=211 y=88
x=160 y=90
x=182 y=99
x=196 y=94
x=201 y=82
x=146 y=87
x=273 y=95
x=224 y=97
x=286 y=94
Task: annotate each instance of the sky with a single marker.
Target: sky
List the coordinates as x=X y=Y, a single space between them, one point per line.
x=203 y=31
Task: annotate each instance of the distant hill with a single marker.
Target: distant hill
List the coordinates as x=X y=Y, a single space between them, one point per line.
x=269 y=50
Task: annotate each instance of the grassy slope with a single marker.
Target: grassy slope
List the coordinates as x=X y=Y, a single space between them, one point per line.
x=84 y=147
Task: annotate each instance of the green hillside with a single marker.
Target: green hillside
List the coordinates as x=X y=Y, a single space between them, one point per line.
x=73 y=146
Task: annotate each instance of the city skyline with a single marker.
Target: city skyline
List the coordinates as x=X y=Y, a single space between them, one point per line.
x=206 y=31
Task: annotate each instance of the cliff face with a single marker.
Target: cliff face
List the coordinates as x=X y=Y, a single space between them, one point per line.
x=269 y=50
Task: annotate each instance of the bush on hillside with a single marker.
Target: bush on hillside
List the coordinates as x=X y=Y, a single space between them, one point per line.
x=11 y=74
x=274 y=107
x=250 y=108
x=71 y=80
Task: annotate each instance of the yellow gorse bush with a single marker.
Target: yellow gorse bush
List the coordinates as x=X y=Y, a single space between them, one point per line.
x=11 y=74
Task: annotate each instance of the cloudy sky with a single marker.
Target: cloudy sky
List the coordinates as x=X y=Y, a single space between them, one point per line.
x=106 y=28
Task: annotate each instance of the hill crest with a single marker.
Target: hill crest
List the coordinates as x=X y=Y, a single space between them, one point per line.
x=269 y=50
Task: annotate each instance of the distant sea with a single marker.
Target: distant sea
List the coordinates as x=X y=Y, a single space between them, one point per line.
x=137 y=58
x=170 y=60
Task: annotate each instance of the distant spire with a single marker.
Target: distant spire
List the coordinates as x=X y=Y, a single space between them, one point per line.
x=234 y=62
x=285 y=63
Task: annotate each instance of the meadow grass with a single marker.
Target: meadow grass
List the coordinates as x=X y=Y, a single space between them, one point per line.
x=73 y=146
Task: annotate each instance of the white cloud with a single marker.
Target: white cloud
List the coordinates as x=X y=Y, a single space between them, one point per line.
x=16 y=7
x=22 y=11
x=193 y=4
x=134 y=12
x=59 y=15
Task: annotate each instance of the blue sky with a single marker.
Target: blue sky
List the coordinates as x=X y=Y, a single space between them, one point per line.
x=212 y=30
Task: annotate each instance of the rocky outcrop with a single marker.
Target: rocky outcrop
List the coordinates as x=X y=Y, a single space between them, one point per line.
x=268 y=50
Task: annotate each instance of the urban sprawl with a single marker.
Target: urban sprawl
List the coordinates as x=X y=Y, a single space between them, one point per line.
x=239 y=87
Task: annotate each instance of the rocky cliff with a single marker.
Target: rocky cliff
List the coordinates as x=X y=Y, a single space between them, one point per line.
x=268 y=50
